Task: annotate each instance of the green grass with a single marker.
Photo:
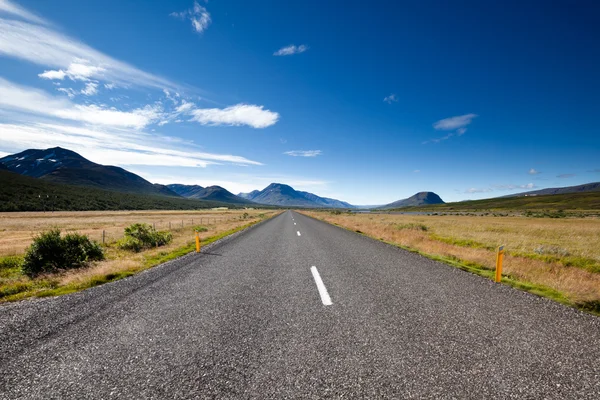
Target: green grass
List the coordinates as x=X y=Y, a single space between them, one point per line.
x=18 y=290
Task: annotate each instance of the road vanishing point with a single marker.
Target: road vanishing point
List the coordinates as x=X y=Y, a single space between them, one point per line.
x=297 y=308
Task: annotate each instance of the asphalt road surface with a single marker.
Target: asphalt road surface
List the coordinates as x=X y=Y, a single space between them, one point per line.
x=297 y=308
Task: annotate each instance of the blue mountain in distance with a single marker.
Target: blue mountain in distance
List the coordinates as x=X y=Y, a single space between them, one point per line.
x=279 y=194
x=214 y=193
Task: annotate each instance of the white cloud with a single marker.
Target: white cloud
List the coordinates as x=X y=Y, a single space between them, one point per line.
x=90 y=89
x=533 y=171
x=391 y=98
x=68 y=91
x=60 y=74
x=303 y=153
x=514 y=187
x=452 y=123
x=9 y=7
x=437 y=140
x=239 y=114
x=110 y=86
x=461 y=131
x=416 y=171
x=42 y=45
x=198 y=15
x=291 y=49
x=477 y=190
x=32 y=101
x=112 y=146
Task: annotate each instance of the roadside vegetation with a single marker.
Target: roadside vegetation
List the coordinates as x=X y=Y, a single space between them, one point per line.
x=63 y=252
x=556 y=258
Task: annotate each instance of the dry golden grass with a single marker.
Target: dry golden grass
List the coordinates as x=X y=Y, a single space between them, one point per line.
x=18 y=229
x=473 y=239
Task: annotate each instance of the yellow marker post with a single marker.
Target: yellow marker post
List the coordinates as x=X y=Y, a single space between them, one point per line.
x=197 y=242
x=499 y=258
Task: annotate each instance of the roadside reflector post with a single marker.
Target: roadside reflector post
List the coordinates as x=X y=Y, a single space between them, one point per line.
x=499 y=258
x=197 y=242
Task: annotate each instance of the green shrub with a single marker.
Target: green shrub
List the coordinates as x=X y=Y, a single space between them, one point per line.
x=51 y=253
x=143 y=236
x=11 y=262
x=200 y=228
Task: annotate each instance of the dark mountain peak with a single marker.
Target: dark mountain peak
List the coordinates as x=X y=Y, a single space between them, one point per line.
x=66 y=166
x=280 y=194
x=418 y=199
x=216 y=193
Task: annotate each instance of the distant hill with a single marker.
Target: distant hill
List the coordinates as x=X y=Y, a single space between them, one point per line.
x=278 y=194
x=24 y=193
x=588 y=187
x=567 y=201
x=185 y=190
x=64 y=166
x=215 y=193
x=419 y=199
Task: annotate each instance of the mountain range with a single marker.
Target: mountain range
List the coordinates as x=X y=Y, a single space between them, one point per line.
x=588 y=187
x=279 y=194
x=64 y=166
x=57 y=169
x=214 y=193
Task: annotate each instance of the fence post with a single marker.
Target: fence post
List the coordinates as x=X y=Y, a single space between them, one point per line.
x=499 y=257
x=103 y=236
x=169 y=225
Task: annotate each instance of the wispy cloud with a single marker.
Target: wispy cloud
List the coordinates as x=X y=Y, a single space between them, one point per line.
x=113 y=146
x=416 y=171
x=303 y=153
x=291 y=49
x=240 y=114
x=597 y=170
x=198 y=15
x=449 y=124
x=478 y=190
x=7 y=6
x=90 y=89
x=35 y=41
x=32 y=101
x=565 y=176
x=390 y=99
x=500 y=188
x=533 y=171
x=514 y=187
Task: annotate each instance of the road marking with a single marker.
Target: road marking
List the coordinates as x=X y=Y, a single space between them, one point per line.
x=298 y=233
x=294 y=223
x=322 y=289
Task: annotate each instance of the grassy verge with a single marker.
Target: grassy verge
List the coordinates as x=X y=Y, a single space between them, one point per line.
x=569 y=279
x=120 y=264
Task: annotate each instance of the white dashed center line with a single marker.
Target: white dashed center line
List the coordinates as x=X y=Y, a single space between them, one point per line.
x=321 y=286
x=294 y=223
x=298 y=233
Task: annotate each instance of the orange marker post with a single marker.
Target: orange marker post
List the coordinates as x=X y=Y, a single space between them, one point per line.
x=197 y=242
x=499 y=258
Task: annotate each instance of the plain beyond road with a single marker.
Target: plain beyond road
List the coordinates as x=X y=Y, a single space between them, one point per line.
x=246 y=319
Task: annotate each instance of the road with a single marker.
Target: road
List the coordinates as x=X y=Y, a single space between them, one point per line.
x=248 y=319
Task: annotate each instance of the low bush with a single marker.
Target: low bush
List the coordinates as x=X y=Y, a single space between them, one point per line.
x=11 y=262
x=413 y=226
x=143 y=236
x=200 y=228
x=50 y=252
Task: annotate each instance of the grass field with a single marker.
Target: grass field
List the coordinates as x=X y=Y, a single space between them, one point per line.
x=18 y=229
x=557 y=258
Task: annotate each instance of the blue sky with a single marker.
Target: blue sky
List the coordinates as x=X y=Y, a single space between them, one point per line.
x=367 y=102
